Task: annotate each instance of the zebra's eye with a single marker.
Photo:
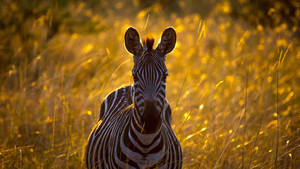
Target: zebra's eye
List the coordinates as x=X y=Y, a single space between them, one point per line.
x=135 y=77
x=164 y=77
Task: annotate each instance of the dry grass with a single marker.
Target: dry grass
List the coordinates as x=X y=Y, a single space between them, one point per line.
x=234 y=89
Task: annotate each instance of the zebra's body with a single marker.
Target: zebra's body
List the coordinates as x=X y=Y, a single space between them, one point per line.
x=134 y=128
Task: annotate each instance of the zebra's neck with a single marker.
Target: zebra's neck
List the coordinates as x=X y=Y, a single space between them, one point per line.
x=135 y=131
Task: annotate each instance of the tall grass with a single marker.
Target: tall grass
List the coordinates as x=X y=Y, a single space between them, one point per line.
x=227 y=87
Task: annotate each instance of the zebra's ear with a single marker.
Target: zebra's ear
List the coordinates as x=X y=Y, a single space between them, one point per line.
x=132 y=41
x=167 y=41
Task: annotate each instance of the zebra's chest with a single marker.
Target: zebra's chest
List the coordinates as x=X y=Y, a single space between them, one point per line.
x=143 y=160
x=133 y=150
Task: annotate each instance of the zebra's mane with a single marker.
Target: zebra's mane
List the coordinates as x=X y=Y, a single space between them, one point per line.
x=148 y=43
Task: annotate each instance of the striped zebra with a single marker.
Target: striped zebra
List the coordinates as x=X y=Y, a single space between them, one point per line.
x=134 y=128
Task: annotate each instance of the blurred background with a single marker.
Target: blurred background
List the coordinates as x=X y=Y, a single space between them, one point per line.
x=233 y=84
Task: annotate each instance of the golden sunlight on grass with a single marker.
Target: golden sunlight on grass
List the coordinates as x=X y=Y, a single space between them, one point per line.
x=233 y=84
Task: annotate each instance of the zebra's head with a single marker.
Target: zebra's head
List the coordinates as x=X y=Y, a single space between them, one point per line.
x=149 y=74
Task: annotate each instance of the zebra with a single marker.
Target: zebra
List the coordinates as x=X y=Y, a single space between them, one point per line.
x=134 y=129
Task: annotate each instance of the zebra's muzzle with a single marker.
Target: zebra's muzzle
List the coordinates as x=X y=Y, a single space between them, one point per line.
x=150 y=97
x=151 y=116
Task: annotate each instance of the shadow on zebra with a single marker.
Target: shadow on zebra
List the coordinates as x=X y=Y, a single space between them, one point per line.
x=134 y=128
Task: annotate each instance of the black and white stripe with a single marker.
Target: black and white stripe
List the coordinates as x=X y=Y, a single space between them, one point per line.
x=134 y=127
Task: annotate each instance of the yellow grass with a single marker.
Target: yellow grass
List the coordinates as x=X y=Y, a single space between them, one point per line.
x=233 y=88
